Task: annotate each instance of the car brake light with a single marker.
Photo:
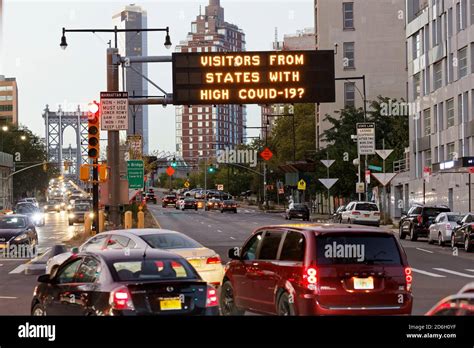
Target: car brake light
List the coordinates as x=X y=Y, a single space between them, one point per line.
x=355 y=213
x=211 y=297
x=408 y=278
x=213 y=260
x=120 y=299
x=310 y=278
x=420 y=219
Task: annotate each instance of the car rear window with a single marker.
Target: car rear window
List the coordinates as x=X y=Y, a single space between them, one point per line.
x=434 y=211
x=378 y=249
x=170 y=241
x=366 y=207
x=300 y=207
x=454 y=218
x=153 y=269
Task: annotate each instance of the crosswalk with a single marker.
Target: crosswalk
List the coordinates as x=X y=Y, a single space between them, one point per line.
x=444 y=272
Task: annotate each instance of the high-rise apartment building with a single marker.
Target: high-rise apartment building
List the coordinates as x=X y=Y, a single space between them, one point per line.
x=369 y=39
x=135 y=44
x=202 y=129
x=8 y=100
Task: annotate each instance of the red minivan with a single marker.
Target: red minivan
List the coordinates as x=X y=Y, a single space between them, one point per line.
x=318 y=269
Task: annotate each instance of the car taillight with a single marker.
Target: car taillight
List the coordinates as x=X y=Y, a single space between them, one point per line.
x=355 y=213
x=213 y=260
x=408 y=278
x=420 y=219
x=211 y=297
x=377 y=213
x=120 y=299
x=310 y=278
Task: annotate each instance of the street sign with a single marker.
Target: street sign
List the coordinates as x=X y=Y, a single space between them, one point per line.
x=384 y=178
x=281 y=191
x=220 y=187
x=471 y=170
x=135 y=174
x=170 y=171
x=328 y=163
x=302 y=185
x=264 y=77
x=135 y=147
x=384 y=153
x=114 y=111
x=266 y=154
x=367 y=176
x=360 y=187
x=426 y=174
x=366 y=138
x=328 y=183
x=187 y=184
x=376 y=168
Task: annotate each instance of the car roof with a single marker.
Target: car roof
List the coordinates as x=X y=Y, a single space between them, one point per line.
x=142 y=231
x=325 y=228
x=137 y=254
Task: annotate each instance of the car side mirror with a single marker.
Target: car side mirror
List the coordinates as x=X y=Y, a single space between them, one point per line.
x=45 y=278
x=234 y=253
x=75 y=250
x=459 y=222
x=404 y=213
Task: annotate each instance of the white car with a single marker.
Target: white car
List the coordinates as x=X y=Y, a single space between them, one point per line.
x=206 y=261
x=362 y=213
x=443 y=226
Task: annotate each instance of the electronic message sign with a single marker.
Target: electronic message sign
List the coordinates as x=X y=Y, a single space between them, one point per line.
x=253 y=77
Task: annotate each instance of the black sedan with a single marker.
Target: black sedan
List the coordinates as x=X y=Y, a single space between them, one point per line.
x=17 y=230
x=188 y=203
x=229 y=205
x=114 y=283
x=299 y=211
x=464 y=233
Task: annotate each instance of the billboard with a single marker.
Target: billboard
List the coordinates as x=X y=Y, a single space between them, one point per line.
x=267 y=77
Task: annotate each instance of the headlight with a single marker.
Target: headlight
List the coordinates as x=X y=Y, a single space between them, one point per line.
x=37 y=217
x=69 y=206
x=72 y=215
x=57 y=206
x=45 y=207
x=21 y=237
x=91 y=215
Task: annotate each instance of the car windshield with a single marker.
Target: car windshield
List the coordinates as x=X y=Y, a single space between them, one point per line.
x=300 y=207
x=454 y=218
x=170 y=241
x=82 y=207
x=153 y=269
x=12 y=222
x=26 y=209
x=357 y=249
x=434 y=211
x=366 y=207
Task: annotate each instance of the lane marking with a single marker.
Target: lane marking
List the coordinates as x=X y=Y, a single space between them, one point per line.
x=455 y=273
x=219 y=231
x=428 y=273
x=209 y=226
x=232 y=238
x=156 y=220
x=426 y=251
x=8 y=298
x=470 y=270
x=18 y=269
x=202 y=222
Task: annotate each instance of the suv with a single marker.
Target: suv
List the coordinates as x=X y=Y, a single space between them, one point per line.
x=300 y=211
x=362 y=213
x=299 y=270
x=416 y=223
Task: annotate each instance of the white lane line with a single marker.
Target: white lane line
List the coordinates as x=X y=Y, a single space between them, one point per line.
x=1 y=264
x=426 y=251
x=8 y=298
x=18 y=269
x=209 y=226
x=232 y=238
x=455 y=273
x=255 y=223
x=219 y=231
x=470 y=270
x=202 y=222
x=428 y=273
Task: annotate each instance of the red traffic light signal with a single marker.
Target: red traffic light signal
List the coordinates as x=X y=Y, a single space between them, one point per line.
x=93 y=131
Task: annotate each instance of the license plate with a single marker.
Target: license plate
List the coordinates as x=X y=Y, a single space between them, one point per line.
x=367 y=215
x=195 y=262
x=363 y=283
x=170 y=304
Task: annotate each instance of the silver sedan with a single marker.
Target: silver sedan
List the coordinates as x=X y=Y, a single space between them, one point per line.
x=442 y=227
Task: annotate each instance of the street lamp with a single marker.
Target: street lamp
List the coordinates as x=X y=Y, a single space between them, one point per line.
x=5 y=128
x=23 y=137
x=167 y=39
x=63 y=43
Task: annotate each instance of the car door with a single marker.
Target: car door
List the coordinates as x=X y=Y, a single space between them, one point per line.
x=346 y=213
x=460 y=232
x=243 y=273
x=58 y=294
x=264 y=272
x=434 y=228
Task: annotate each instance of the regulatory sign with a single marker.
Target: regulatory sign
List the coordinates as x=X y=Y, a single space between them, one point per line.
x=263 y=77
x=366 y=138
x=360 y=187
x=302 y=185
x=135 y=174
x=114 y=111
x=220 y=187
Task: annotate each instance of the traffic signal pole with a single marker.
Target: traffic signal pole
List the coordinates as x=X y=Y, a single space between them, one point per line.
x=95 y=195
x=113 y=143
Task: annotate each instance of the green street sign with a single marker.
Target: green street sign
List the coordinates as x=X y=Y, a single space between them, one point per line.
x=376 y=168
x=135 y=174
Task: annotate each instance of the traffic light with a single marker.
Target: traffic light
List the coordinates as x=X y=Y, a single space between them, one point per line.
x=84 y=173
x=173 y=163
x=93 y=131
x=103 y=173
x=211 y=169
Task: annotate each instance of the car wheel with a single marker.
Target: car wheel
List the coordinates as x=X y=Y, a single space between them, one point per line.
x=413 y=236
x=286 y=217
x=440 y=240
x=235 y=211
x=467 y=245
x=289 y=217
x=284 y=307
x=340 y=220
x=453 y=241
x=227 y=300
x=38 y=310
x=430 y=241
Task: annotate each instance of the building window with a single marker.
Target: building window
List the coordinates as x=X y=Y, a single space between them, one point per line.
x=4 y=108
x=438 y=75
x=417 y=48
x=435 y=119
x=450 y=69
x=463 y=14
x=472 y=12
x=426 y=122
x=451 y=152
x=416 y=86
x=450 y=22
x=349 y=94
x=458 y=17
x=348 y=15
x=349 y=56
x=441 y=116
x=462 y=62
x=450 y=113
x=428 y=158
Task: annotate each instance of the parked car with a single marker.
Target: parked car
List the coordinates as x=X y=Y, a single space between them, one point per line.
x=229 y=205
x=299 y=271
x=442 y=228
x=299 y=211
x=206 y=261
x=112 y=283
x=337 y=216
x=188 y=203
x=168 y=200
x=454 y=305
x=463 y=233
x=17 y=229
x=361 y=213
x=417 y=221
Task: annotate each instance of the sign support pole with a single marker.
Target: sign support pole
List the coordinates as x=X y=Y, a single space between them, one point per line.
x=95 y=196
